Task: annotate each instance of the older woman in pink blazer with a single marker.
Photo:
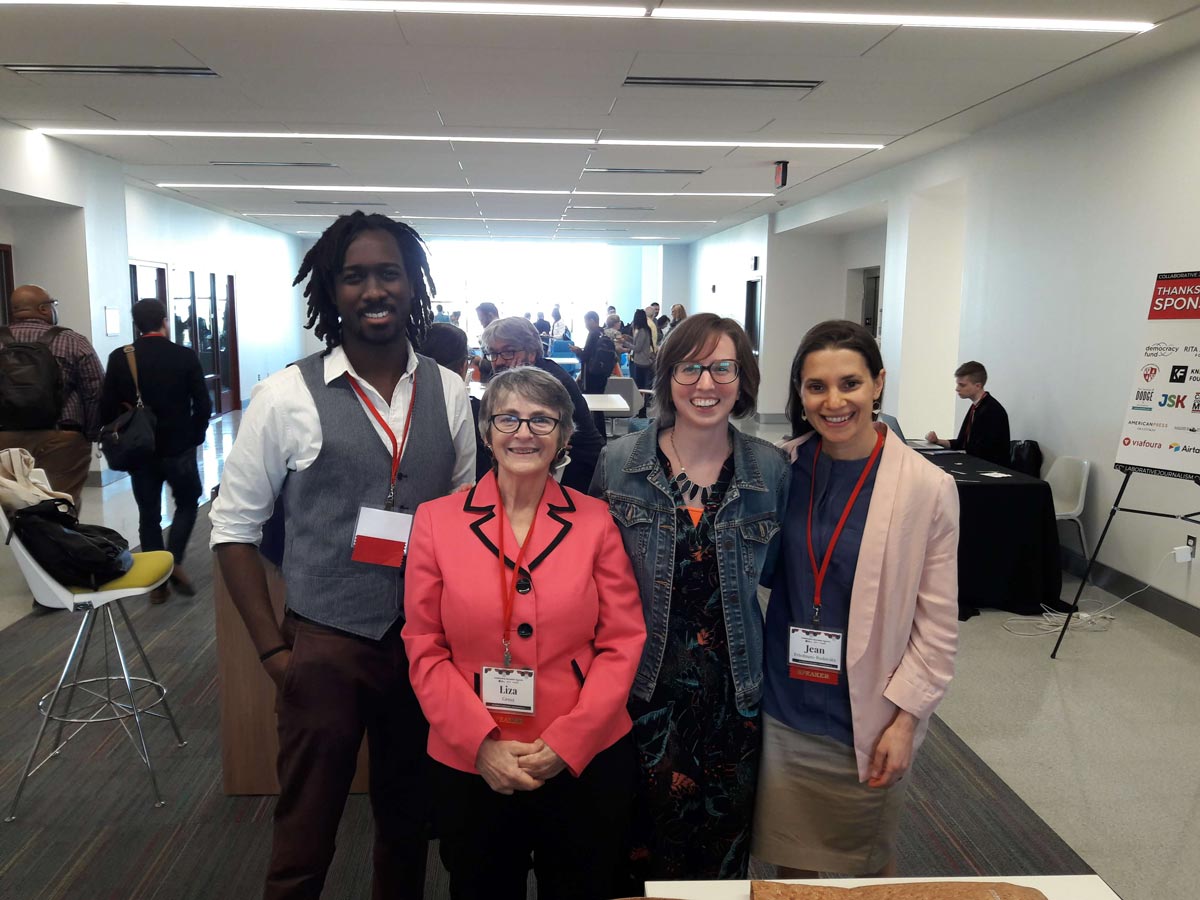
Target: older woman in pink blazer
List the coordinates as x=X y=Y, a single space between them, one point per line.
x=524 y=629
x=862 y=623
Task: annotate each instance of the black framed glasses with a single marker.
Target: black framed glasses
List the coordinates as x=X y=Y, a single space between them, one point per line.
x=505 y=356
x=539 y=425
x=723 y=371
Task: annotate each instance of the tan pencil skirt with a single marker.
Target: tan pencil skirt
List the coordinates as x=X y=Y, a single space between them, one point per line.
x=812 y=812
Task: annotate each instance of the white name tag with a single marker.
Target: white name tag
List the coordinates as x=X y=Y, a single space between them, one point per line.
x=507 y=690
x=381 y=537
x=814 y=654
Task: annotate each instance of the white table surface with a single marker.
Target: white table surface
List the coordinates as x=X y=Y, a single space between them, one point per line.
x=606 y=403
x=564 y=360
x=601 y=403
x=1055 y=887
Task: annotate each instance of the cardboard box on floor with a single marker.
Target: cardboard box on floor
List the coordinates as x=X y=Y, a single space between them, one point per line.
x=980 y=890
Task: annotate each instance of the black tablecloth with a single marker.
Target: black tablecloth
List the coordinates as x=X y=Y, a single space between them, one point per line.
x=1008 y=538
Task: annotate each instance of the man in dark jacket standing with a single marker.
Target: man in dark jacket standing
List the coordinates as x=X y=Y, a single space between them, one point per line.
x=172 y=386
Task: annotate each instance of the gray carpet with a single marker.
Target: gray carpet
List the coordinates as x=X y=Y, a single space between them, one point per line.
x=87 y=826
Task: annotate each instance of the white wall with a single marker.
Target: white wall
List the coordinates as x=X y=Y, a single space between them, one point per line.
x=720 y=266
x=1069 y=211
x=676 y=277
x=270 y=312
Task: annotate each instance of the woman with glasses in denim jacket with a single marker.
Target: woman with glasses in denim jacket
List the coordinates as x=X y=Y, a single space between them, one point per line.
x=697 y=504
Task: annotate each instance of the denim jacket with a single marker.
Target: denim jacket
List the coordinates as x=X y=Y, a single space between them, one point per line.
x=630 y=477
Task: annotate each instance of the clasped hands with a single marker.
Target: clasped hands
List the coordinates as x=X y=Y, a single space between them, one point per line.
x=509 y=766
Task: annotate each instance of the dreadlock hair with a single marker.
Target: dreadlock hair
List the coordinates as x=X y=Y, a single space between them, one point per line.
x=328 y=254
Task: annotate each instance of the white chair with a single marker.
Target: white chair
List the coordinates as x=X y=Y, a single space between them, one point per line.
x=628 y=390
x=99 y=703
x=1068 y=478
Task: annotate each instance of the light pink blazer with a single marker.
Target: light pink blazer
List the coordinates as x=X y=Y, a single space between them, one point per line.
x=584 y=609
x=903 y=630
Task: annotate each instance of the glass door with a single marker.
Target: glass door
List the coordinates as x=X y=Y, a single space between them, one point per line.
x=225 y=347
x=6 y=281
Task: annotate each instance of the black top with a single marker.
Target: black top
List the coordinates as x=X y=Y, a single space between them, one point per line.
x=984 y=432
x=586 y=442
x=172 y=386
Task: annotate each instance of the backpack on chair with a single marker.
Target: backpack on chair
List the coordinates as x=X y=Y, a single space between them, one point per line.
x=74 y=554
x=31 y=383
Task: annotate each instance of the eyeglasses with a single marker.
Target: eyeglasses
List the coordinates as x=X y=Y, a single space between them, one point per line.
x=723 y=371
x=539 y=425
x=505 y=356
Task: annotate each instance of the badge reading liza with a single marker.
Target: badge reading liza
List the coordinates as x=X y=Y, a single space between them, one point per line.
x=507 y=691
x=381 y=537
x=814 y=655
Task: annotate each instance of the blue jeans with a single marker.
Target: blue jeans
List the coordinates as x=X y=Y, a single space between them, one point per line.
x=183 y=477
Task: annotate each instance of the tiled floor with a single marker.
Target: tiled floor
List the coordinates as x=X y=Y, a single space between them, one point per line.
x=1099 y=742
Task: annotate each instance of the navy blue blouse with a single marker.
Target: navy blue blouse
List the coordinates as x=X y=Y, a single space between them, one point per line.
x=821 y=709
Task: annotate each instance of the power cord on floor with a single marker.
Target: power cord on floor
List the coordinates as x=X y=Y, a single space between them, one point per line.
x=1092 y=614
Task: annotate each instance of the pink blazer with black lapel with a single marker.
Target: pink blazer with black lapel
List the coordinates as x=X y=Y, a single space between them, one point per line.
x=584 y=611
x=903 y=631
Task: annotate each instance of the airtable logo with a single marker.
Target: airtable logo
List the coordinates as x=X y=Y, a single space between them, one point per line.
x=1183 y=448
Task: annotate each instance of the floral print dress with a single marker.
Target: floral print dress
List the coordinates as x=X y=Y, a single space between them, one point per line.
x=698 y=755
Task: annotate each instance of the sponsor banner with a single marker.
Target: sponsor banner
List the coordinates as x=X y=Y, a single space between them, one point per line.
x=1161 y=434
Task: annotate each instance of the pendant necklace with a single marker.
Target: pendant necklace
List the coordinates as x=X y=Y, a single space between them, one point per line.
x=686 y=488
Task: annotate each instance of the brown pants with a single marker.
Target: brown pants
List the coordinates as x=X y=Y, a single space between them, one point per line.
x=338 y=685
x=65 y=455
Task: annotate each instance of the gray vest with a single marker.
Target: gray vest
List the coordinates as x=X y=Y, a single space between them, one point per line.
x=352 y=470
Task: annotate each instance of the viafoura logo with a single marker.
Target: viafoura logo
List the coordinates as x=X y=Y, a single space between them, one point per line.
x=1138 y=442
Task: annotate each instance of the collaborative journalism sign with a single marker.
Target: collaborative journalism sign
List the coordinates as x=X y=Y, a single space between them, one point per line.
x=1162 y=422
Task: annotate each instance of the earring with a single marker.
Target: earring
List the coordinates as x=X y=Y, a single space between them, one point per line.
x=559 y=456
x=877 y=407
x=803 y=416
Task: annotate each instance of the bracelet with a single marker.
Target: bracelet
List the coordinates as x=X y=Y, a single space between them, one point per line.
x=263 y=657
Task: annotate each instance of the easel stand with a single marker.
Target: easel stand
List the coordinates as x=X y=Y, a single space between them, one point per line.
x=1112 y=513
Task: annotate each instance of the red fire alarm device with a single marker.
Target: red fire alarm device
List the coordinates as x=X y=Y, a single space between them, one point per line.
x=781 y=173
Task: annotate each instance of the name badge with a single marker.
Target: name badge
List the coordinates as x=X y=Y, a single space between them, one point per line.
x=507 y=691
x=381 y=537
x=814 y=654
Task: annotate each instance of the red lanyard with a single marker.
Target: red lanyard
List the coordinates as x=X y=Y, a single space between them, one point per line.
x=397 y=449
x=820 y=572
x=507 y=590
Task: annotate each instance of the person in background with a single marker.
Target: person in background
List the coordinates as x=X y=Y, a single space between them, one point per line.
x=542 y=326
x=172 y=386
x=513 y=342
x=678 y=314
x=558 y=327
x=447 y=346
x=612 y=330
x=652 y=320
x=862 y=623
x=487 y=313
x=333 y=436
x=641 y=354
x=984 y=430
x=61 y=440
x=456 y=318
x=696 y=501
x=664 y=325
x=440 y=315
x=523 y=631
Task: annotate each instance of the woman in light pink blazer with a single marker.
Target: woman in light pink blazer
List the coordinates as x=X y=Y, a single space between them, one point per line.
x=524 y=629
x=862 y=623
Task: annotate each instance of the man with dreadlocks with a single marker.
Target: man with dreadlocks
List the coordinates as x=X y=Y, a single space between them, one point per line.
x=352 y=439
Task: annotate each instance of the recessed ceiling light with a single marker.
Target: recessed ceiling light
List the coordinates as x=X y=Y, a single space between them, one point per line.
x=338 y=203
x=400 y=215
x=469 y=139
x=622 y=208
x=644 y=171
x=175 y=71
x=795 y=84
x=592 y=229
x=280 y=165
x=389 y=189
x=803 y=17
x=376 y=6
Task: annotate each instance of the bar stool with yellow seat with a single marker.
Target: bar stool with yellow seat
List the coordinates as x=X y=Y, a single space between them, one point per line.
x=100 y=703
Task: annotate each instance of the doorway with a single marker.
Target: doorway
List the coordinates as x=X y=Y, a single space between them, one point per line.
x=871 y=318
x=6 y=281
x=204 y=319
x=753 y=318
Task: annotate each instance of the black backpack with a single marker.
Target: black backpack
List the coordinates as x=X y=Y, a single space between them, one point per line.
x=75 y=555
x=31 y=383
x=1026 y=457
x=604 y=357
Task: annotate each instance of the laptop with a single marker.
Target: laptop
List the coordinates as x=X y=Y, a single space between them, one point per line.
x=890 y=422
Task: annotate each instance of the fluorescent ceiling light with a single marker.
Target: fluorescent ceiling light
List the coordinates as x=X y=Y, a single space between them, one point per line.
x=376 y=6
x=176 y=71
x=447 y=139
x=795 y=84
x=622 y=208
x=340 y=202
x=802 y=17
x=281 y=165
x=611 y=171
x=400 y=215
x=389 y=189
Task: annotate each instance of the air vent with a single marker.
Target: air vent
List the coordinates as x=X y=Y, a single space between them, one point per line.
x=336 y=203
x=280 y=165
x=175 y=71
x=645 y=171
x=763 y=83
